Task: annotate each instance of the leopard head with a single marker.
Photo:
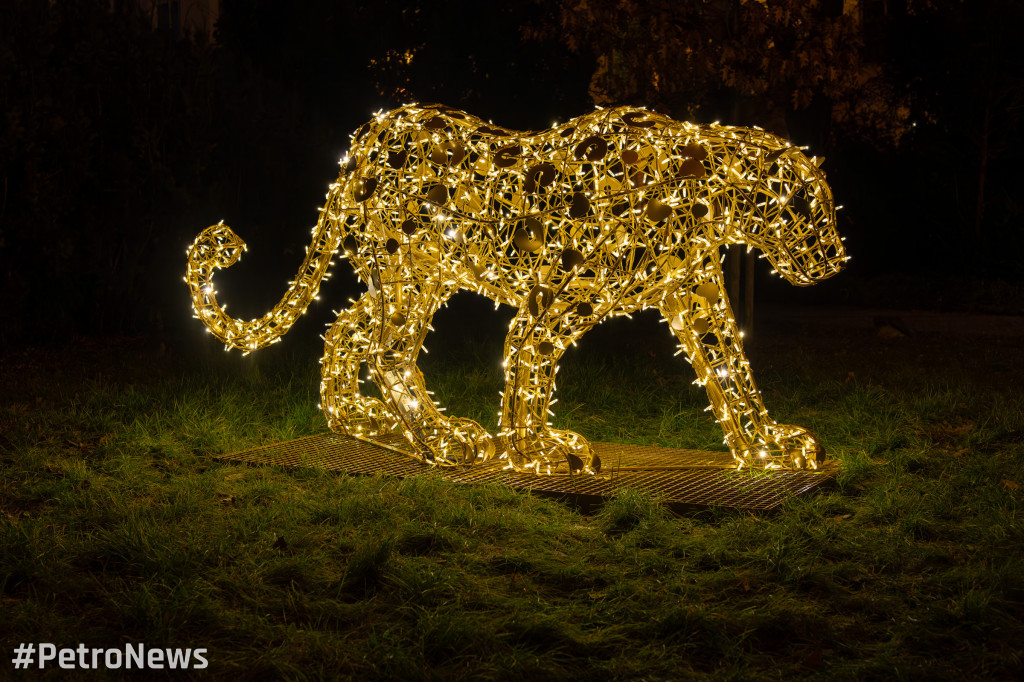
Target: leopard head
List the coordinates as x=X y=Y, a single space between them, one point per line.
x=792 y=220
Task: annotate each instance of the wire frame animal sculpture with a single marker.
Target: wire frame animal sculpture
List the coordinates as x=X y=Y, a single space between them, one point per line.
x=613 y=212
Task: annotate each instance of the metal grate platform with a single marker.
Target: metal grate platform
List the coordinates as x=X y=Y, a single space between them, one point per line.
x=681 y=479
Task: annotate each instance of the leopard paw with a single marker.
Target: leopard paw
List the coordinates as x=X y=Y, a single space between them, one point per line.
x=460 y=442
x=552 y=451
x=785 y=446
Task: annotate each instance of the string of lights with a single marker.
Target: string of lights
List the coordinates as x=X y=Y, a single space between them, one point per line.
x=613 y=212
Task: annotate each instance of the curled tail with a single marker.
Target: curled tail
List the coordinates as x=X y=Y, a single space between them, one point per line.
x=218 y=247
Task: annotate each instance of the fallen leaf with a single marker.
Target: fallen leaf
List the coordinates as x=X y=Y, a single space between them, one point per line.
x=1010 y=485
x=233 y=477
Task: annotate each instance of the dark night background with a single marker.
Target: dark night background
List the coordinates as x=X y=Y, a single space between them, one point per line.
x=125 y=134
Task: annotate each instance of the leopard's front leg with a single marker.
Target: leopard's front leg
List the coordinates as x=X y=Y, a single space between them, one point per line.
x=534 y=344
x=702 y=319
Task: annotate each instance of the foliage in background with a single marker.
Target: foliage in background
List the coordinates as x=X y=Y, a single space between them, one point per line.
x=89 y=154
x=745 y=62
x=383 y=54
x=119 y=144
x=916 y=103
x=962 y=62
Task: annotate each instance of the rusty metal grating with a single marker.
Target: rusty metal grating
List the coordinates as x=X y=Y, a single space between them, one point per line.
x=681 y=479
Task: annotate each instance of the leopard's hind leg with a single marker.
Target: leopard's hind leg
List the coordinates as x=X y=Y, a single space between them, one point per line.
x=346 y=345
x=403 y=310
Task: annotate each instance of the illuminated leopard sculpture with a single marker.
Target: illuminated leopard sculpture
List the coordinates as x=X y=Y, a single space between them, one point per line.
x=613 y=212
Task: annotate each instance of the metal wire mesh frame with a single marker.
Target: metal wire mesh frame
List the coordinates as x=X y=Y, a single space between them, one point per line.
x=681 y=479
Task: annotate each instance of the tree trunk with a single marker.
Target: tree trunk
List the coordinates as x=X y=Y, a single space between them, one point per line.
x=739 y=279
x=979 y=209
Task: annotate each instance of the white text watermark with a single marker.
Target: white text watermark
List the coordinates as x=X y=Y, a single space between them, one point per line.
x=128 y=657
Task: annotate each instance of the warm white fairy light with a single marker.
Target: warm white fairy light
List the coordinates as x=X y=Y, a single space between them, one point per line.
x=613 y=212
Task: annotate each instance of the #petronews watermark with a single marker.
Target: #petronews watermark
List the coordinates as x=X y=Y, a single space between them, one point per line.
x=132 y=656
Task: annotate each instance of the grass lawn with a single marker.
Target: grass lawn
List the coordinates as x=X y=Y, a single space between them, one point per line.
x=117 y=525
